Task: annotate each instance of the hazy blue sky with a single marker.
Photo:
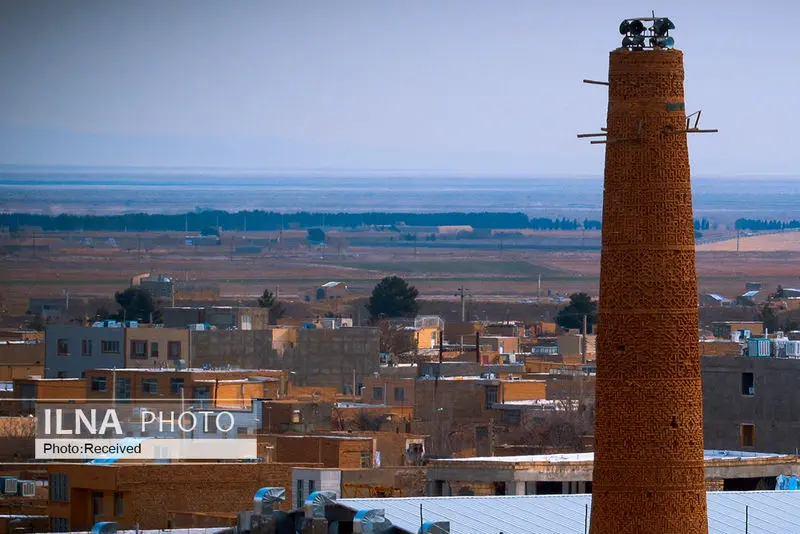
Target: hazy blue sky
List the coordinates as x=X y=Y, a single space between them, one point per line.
x=489 y=86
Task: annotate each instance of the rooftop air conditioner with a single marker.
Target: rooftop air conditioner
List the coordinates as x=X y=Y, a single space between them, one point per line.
x=26 y=488
x=8 y=485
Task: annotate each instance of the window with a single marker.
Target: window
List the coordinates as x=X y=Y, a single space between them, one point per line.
x=86 y=347
x=119 y=505
x=377 y=394
x=511 y=417
x=176 y=385
x=748 y=435
x=311 y=487
x=138 y=349
x=59 y=489
x=748 y=384
x=247 y=322
x=109 y=347
x=400 y=394
x=98 y=383
x=59 y=524
x=366 y=459
x=154 y=349
x=174 y=350
x=491 y=396
x=149 y=385
x=63 y=347
x=202 y=395
x=299 y=494
x=97 y=503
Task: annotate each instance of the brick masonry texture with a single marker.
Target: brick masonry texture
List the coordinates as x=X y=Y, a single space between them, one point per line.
x=648 y=474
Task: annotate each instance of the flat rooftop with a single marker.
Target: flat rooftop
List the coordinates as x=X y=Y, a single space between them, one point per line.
x=768 y=512
x=709 y=455
x=187 y=370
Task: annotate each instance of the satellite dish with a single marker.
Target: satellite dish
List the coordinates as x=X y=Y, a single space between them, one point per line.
x=662 y=26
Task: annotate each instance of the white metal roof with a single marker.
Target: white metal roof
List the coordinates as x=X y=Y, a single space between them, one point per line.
x=770 y=512
x=709 y=454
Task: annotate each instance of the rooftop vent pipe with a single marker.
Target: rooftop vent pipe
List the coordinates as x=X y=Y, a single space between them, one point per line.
x=265 y=499
x=435 y=527
x=371 y=521
x=316 y=502
x=105 y=527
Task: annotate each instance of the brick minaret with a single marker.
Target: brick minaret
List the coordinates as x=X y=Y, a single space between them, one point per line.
x=648 y=468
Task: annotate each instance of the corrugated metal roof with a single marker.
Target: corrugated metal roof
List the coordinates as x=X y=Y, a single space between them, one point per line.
x=770 y=512
x=751 y=294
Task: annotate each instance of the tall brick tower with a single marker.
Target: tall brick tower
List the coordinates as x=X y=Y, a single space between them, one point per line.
x=648 y=467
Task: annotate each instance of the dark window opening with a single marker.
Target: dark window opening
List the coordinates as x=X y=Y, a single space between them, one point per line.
x=748 y=384
x=748 y=435
x=491 y=396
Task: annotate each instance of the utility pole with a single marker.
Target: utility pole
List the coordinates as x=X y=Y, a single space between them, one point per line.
x=583 y=340
x=539 y=287
x=461 y=294
x=738 y=233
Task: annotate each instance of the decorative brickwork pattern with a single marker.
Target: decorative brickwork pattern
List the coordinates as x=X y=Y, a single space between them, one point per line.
x=648 y=470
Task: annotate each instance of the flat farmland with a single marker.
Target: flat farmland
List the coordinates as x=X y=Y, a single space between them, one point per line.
x=779 y=242
x=243 y=265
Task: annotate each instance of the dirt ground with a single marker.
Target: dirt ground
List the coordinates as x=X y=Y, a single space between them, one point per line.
x=780 y=242
x=489 y=270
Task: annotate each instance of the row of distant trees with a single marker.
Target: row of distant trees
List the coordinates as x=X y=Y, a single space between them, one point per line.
x=207 y=222
x=259 y=220
x=764 y=224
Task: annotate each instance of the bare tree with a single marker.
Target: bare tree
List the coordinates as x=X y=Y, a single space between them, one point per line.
x=399 y=343
x=563 y=424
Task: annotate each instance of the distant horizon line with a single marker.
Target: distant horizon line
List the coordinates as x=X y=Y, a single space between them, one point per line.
x=350 y=173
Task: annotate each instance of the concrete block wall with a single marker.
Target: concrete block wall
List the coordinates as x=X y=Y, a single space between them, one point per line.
x=324 y=357
x=151 y=492
x=250 y=349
